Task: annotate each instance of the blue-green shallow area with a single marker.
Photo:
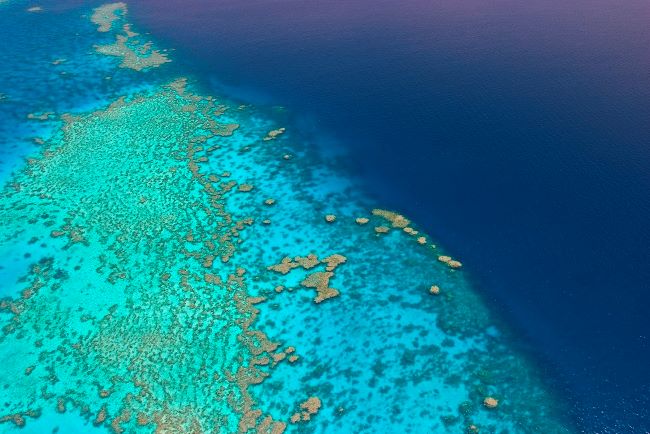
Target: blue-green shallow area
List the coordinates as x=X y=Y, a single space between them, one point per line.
x=177 y=262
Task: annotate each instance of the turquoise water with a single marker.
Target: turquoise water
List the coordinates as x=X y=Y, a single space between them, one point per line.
x=174 y=261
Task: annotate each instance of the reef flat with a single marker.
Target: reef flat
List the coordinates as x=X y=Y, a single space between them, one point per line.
x=174 y=262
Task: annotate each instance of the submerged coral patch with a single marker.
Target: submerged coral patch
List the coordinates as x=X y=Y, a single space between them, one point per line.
x=134 y=53
x=273 y=134
x=452 y=263
x=105 y=15
x=397 y=220
x=309 y=408
x=137 y=57
x=319 y=280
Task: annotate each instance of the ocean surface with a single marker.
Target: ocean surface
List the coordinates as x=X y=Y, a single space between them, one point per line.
x=324 y=216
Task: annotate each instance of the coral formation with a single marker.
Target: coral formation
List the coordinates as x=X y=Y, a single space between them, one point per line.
x=105 y=15
x=273 y=134
x=319 y=280
x=134 y=54
x=490 y=402
x=310 y=407
x=452 y=263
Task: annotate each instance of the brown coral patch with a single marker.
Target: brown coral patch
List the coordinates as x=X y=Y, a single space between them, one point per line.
x=334 y=261
x=101 y=416
x=310 y=407
x=105 y=15
x=490 y=402
x=452 y=263
x=310 y=261
x=320 y=281
x=271 y=135
x=284 y=266
x=397 y=220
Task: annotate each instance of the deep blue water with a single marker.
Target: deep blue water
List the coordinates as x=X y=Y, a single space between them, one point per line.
x=516 y=132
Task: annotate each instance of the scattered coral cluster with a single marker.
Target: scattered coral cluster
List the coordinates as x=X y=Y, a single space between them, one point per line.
x=319 y=280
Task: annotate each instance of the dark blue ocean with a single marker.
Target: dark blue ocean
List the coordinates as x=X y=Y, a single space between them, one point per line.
x=516 y=132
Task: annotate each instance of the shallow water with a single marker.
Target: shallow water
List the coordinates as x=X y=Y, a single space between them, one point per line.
x=150 y=283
